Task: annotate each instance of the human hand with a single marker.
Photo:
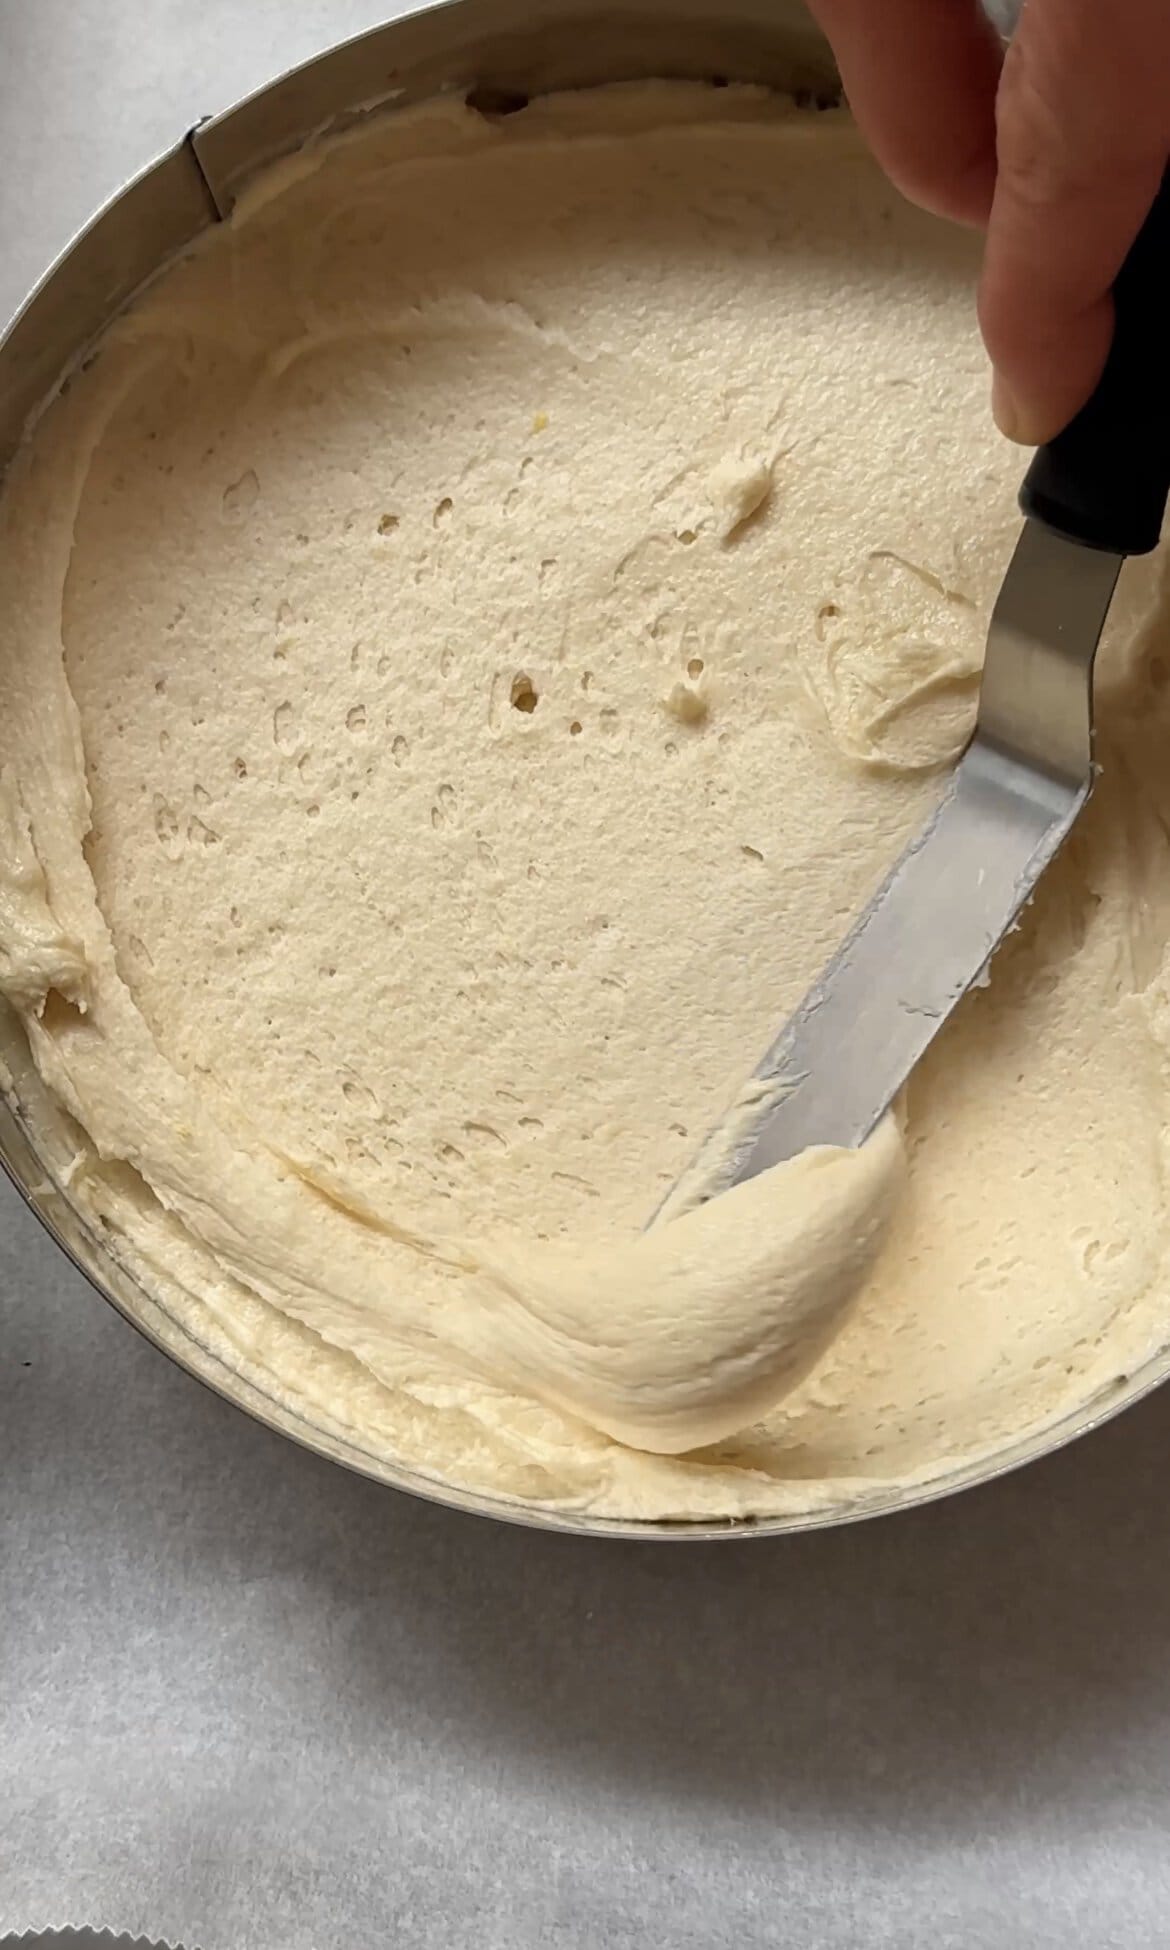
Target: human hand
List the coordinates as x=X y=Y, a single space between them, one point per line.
x=1057 y=148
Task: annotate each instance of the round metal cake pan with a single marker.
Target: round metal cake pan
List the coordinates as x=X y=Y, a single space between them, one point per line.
x=496 y=51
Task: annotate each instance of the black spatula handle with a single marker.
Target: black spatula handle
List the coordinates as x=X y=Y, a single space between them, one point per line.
x=1105 y=480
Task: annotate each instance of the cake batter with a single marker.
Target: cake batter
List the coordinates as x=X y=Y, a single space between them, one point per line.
x=473 y=638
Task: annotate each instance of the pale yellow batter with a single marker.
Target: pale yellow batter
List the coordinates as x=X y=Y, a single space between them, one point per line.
x=469 y=644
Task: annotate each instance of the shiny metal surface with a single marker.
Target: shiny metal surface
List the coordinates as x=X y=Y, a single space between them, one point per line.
x=931 y=930
x=518 y=46
x=143 y=227
x=509 y=48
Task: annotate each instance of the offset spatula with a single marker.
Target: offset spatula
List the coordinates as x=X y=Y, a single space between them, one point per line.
x=1095 y=496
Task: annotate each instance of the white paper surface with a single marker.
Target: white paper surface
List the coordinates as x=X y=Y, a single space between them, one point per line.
x=251 y=1702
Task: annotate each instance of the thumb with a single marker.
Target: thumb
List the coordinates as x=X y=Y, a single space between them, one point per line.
x=921 y=78
x=1084 y=134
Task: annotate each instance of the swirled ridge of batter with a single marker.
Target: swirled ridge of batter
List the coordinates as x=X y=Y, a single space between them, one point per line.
x=471 y=641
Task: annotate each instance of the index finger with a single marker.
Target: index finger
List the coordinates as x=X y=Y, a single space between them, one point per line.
x=1083 y=139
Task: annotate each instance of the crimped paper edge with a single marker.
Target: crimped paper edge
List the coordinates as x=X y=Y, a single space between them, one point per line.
x=84 y=1937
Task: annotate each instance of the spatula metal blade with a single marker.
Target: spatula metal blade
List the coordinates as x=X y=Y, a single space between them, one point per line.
x=929 y=933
